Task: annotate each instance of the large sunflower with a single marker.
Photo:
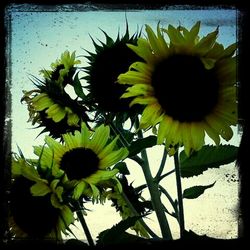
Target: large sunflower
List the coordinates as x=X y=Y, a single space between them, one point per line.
x=85 y=158
x=187 y=85
x=109 y=60
x=49 y=105
x=37 y=210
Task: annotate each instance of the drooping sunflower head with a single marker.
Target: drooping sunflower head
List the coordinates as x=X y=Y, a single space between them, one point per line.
x=187 y=85
x=36 y=206
x=51 y=106
x=85 y=157
x=123 y=194
x=133 y=195
x=109 y=60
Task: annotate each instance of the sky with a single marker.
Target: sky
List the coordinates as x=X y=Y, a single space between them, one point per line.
x=37 y=37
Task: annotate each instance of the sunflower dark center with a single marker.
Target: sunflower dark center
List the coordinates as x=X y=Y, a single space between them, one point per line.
x=35 y=215
x=108 y=64
x=79 y=163
x=185 y=89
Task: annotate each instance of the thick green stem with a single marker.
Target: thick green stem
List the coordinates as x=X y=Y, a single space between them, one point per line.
x=179 y=193
x=165 y=192
x=139 y=161
x=155 y=198
x=84 y=226
x=162 y=165
x=153 y=188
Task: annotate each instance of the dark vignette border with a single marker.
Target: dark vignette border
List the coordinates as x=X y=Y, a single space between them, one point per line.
x=52 y=5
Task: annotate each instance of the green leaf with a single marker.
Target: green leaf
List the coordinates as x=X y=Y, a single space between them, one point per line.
x=78 y=87
x=122 y=166
x=117 y=234
x=140 y=144
x=208 y=157
x=195 y=191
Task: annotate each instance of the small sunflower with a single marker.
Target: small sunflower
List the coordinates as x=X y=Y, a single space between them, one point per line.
x=37 y=210
x=63 y=69
x=85 y=158
x=50 y=106
x=111 y=59
x=187 y=85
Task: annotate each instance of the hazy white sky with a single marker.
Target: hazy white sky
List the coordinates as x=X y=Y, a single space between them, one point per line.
x=37 y=38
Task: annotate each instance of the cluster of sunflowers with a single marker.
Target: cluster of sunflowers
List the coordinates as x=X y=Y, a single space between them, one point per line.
x=183 y=87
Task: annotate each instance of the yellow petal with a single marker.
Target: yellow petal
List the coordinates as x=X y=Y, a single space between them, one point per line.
x=207 y=42
x=220 y=126
x=143 y=49
x=42 y=102
x=213 y=134
x=193 y=33
x=100 y=138
x=138 y=89
x=73 y=119
x=142 y=68
x=155 y=42
x=58 y=149
x=163 y=128
x=78 y=190
x=144 y=100
x=175 y=36
x=113 y=158
x=40 y=189
x=187 y=138
x=108 y=149
x=101 y=175
x=56 y=112
x=198 y=135
x=70 y=141
x=85 y=135
x=133 y=77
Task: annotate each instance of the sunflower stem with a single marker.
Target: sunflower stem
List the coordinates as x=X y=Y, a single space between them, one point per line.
x=154 y=193
x=179 y=193
x=155 y=198
x=162 y=165
x=84 y=226
x=165 y=192
x=139 y=161
x=121 y=137
x=165 y=175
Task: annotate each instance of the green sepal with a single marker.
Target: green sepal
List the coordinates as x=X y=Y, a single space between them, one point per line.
x=78 y=87
x=122 y=167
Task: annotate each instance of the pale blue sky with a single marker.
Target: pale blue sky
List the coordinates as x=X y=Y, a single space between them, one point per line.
x=38 y=38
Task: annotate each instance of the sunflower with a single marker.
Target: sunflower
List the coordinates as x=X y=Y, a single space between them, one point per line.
x=37 y=210
x=63 y=69
x=109 y=60
x=50 y=106
x=187 y=86
x=85 y=158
